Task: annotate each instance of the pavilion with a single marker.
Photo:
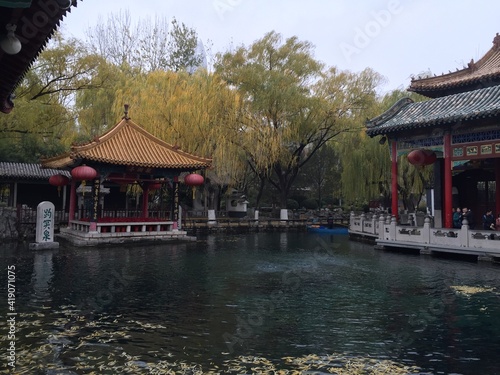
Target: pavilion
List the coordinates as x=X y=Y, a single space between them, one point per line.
x=123 y=155
x=457 y=130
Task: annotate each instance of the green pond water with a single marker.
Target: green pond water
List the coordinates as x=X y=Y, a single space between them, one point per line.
x=270 y=303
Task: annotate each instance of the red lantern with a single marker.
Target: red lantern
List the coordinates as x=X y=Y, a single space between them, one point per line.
x=58 y=180
x=417 y=157
x=155 y=186
x=422 y=157
x=83 y=172
x=194 y=179
x=430 y=157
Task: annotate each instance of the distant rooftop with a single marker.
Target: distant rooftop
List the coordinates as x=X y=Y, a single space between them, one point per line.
x=483 y=73
x=27 y=171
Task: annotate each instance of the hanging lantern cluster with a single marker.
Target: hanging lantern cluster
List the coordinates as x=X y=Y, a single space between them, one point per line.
x=58 y=180
x=193 y=180
x=422 y=157
x=83 y=173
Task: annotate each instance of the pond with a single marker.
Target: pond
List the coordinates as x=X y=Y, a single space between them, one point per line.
x=244 y=304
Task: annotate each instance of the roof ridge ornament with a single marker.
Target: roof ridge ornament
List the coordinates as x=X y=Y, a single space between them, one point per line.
x=125 y=112
x=496 y=41
x=472 y=65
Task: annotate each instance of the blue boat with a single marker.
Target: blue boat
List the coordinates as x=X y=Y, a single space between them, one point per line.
x=326 y=230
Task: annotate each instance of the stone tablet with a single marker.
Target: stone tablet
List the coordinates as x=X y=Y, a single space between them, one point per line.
x=45 y=222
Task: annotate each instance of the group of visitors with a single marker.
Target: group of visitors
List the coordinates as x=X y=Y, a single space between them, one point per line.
x=459 y=214
x=489 y=222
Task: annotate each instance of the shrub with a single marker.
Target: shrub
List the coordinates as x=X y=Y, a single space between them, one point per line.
x=292 y=204
x=310 y=204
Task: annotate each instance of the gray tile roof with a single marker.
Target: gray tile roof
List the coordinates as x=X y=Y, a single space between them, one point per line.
x=27 y=171
x=466 y=106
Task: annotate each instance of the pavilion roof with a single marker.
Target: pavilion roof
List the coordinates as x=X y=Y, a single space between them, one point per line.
x=483 y=73
x=467 y=106
x=128 y=144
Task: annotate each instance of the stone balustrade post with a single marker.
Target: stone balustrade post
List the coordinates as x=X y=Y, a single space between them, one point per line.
x=381 y=227
x=463 y=235
x=374 y=224
x=392 y=228
x=427 y=230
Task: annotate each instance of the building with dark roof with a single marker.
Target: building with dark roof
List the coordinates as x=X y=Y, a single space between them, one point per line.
x=460 y=126
x=28 y=184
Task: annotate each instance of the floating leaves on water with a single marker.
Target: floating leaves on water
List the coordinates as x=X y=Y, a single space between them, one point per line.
x=146 y=325
x=471 y=290
x=68 y=342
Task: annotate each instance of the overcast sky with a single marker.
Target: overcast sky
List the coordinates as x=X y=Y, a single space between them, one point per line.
x=396 y=38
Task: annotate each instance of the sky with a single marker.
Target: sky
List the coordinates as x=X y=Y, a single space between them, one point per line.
x=396 y=38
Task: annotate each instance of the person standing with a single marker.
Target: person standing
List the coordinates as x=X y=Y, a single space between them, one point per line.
x=467 y=215
x=457 y=218
x=489 y=220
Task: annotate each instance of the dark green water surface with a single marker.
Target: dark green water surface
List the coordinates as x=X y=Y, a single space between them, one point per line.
x=271 y=303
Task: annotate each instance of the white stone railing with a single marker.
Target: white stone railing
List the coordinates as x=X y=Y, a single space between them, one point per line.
x=385 y=228
x=131 y=227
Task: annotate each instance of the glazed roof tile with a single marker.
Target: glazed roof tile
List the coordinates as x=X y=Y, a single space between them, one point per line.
x=130 y=145
x=27 y=171
x=485 y=72
x=466 y=106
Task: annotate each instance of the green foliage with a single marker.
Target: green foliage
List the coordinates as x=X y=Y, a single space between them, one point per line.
x=292 y=204
x=310 y=204
x=292 y=106
x=182 y=48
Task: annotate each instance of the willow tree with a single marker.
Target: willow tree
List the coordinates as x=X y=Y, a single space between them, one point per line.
x=196 y=112
x=293 y=106
x=366 y=162
x=366 y=169
x=94 y=106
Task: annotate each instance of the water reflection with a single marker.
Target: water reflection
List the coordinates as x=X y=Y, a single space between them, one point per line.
x=41 y=277
x=277 y=297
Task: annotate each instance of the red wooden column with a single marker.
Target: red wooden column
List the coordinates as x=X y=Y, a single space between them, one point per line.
x=497 y=184
x=145 y=199
x=448 y=188
x=72 y=200
x=394 y=179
